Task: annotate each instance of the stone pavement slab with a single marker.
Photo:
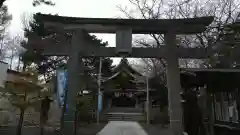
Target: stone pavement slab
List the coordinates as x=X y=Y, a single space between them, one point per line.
x=110 y=128
x=130 y=128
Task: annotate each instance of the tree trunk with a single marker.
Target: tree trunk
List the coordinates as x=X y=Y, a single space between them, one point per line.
x=62 y=117
x=75 y=123
x=24 y=66
x=20 y=122
x=11 y=61
x=42 y=128
x=42 y=123
x=18 y=66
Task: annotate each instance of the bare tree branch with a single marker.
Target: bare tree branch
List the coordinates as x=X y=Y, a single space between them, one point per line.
x=222 y=10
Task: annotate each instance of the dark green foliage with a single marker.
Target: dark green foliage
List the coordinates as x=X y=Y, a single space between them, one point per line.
x=161 y=90
x=191 y=112
x=220 y=81
x=35 y=2
x=229 y=42
x=1 y=2
x=46 y=65
x=226 y=57
x=39 y=2
x=5 y=18
x=84 y=106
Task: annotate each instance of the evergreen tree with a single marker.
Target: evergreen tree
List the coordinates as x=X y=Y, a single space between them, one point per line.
x=155 y=83
x=228 y=47
x=46 y=65
x=5 y=18
x=1 y=2
x=22 y=93
x=35 y=2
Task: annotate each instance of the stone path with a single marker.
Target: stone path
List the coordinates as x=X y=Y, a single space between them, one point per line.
x=111 y=128
x=130 y=128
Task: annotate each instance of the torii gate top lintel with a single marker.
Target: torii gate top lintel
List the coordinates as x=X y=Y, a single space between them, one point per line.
x=124 y=28
x=138 y=26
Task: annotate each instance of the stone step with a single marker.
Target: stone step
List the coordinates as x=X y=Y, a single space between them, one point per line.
x=125 y=110
x=124 y=116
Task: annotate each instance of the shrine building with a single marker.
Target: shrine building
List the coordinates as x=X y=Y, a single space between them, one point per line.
x=125 y=94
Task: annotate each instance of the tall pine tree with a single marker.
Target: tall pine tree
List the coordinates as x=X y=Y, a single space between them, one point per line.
x=5 y=19
x=46 y=65
x=35 y=2
x=228 y=47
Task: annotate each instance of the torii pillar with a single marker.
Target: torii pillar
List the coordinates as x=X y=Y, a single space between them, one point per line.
x=173 y=84
x=74 y=70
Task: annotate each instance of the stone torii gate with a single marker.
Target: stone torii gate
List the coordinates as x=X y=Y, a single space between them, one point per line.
x=78 y=46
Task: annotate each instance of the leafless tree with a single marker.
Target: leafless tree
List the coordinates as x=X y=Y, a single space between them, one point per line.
x=13 y=49
x=223 y=11
x=26 y=18
x=5 y=19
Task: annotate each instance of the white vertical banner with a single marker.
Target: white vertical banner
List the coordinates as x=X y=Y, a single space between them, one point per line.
x=61 y=86
x=100 y=101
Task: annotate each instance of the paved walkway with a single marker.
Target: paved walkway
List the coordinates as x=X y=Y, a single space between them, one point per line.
x=130 y=128
x=111 y=128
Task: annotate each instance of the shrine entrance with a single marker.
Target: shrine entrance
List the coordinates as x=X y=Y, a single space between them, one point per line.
x=123 y=101
x=79 y=45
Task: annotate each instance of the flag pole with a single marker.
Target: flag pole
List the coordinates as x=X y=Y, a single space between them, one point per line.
x=99 y=89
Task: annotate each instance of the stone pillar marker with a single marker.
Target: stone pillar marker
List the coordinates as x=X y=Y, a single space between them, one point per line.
x=173 y=84
x=74 y=71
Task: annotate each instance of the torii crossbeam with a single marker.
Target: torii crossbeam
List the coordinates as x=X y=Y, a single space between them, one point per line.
x=124 y=28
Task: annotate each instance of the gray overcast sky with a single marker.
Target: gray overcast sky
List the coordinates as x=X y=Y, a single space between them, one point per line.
x=76 y=8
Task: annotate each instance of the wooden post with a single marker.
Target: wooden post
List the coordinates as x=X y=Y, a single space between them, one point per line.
x=173 y=83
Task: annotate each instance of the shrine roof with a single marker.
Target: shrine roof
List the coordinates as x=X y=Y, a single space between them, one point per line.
x=138 y=26
x=215 y=78
x=124 y=66
x=206 y=74
x=17 y=73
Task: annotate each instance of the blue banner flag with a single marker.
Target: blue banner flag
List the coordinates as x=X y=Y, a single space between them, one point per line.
x=100 y=101
x=61 y=86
